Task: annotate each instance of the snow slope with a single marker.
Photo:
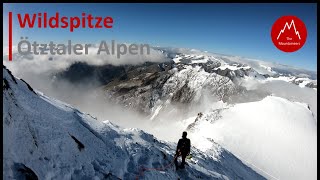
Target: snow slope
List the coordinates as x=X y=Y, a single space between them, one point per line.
x=275 y=136
x=47 y=139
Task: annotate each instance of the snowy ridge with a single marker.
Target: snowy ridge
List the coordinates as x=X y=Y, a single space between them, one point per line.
x=262 y=67
x=46 y=139
x=262 y=131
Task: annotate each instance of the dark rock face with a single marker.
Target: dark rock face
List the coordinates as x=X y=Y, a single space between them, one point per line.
x=82 y=72
x=298 y=81
x=141 y=87
x=266 y=75
x=184 y=95
x=23 y=172
x=223 y=72
x=311 y=85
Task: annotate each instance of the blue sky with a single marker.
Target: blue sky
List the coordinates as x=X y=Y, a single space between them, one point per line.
x=235 y=29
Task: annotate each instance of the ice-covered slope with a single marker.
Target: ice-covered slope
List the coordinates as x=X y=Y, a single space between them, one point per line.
x=47 y=139
x=275 y=136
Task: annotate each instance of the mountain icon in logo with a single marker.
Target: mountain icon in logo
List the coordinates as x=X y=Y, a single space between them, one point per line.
x=289 y=27
x=289 y=33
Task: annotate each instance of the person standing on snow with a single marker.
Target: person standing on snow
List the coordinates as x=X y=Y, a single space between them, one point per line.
x=183 y=150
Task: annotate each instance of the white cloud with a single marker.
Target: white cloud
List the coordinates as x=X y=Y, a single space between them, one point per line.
x=41 y=63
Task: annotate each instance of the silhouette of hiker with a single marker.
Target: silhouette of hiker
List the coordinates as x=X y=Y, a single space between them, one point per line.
x=183 y=150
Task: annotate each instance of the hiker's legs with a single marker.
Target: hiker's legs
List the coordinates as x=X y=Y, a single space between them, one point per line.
x=183 y=156
x=176 y=160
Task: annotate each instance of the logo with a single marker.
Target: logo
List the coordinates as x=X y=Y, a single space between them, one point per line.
x=289 y=33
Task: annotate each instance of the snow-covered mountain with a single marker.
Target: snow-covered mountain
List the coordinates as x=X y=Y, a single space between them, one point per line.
x=191 y=78
x=48 y=139
x=264 y=113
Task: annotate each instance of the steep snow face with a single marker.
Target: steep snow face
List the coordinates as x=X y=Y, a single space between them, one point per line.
x=276 y=137
x=47 y=139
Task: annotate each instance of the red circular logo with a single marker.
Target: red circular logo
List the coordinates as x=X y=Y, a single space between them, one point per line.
x=289 y=33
